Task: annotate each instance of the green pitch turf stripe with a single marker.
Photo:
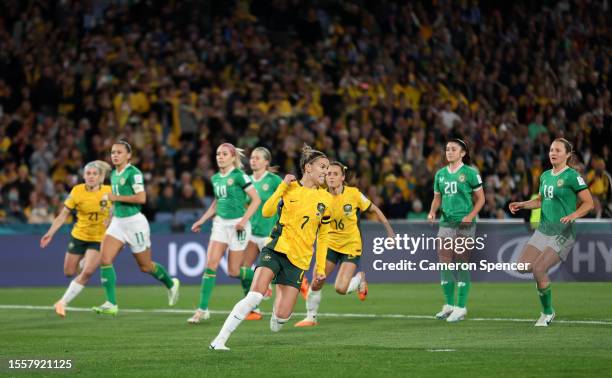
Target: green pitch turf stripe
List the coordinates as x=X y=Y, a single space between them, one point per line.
x=328 y=315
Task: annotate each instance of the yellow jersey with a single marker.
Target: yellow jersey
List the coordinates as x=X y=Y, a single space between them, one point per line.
x=91 y=211
x=344 y=233
x=304 y=215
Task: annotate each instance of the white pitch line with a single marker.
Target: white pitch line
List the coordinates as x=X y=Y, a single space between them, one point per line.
x=325 y=315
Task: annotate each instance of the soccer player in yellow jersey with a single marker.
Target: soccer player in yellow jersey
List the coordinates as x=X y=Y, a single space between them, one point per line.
x=305 y=212
x=92 y=217
x=345 y=245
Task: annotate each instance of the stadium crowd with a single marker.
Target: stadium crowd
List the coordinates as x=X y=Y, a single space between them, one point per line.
x=378 y=85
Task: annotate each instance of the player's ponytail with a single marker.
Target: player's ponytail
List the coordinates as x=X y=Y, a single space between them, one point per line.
x=467 y=160
x=267 y=157
x=309 y=155
x=237 y=153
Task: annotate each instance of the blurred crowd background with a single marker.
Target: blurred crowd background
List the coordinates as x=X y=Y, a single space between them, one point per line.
x=379 y=85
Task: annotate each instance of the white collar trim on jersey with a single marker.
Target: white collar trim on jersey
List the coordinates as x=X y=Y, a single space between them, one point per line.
x=124 y=168
x=552 y=171
x=227 y=174
x=456 y=170
x=261 y=178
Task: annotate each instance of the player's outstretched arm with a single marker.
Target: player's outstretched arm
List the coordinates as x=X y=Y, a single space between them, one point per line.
x=535 y=203
x=383 y=219
x=57 y=223
x=209 y=213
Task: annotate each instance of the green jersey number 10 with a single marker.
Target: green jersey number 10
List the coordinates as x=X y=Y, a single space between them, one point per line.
x=221 y=191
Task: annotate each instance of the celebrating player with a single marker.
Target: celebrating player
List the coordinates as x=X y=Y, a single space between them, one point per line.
x=458 y=192
x=129 y=226
x=344 y=241
x=231 y=227
x=304 y=210
x=265 y=182
x=552 y=242
x=92 y=215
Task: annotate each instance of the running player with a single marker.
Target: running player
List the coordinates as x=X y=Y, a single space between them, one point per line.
x=304 y=210
x=266 y=182
x=551 y=243
x=92 y=214
x=344 y=241
x=128 y=226
x=231 y=228
x=458 y=192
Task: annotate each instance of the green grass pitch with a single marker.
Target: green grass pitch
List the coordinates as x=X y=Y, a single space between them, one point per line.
x=391 y=334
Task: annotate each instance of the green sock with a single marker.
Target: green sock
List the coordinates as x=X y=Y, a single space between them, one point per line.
x=246 y=278
x=108 y=277
x=463 y=287
x=208 y=284
x=160 y=273
x=546 y=300
x=448 y=286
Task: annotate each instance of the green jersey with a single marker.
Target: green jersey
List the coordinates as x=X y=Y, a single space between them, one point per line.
x=230 y=193
x=266 y=185
x=558 y=193
x=456 y=190
x=126 y=183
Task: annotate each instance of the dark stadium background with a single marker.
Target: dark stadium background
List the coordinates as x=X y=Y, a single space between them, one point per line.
x=379 y=85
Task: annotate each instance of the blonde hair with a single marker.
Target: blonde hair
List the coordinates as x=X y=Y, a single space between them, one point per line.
x=101 y=166
x=237 y=153
x=268 y=157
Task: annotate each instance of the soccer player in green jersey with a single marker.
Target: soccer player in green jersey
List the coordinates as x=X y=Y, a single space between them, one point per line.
x=551 y=243
x=265 y=182
x=128 y=226
x=458 y=193
x=231 y=228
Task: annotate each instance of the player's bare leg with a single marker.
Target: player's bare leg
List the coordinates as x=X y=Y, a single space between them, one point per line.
x=313 y=300
x=216 y=250
x=110 y=249
x=447 y=282
x=263 y=277
x=542 y=264
x=91 y=261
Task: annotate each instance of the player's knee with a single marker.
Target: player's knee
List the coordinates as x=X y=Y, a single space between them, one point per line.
x=538 y=270
x=527 y=268
x=69 y=271
x=234 y=272
x=341 y=289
